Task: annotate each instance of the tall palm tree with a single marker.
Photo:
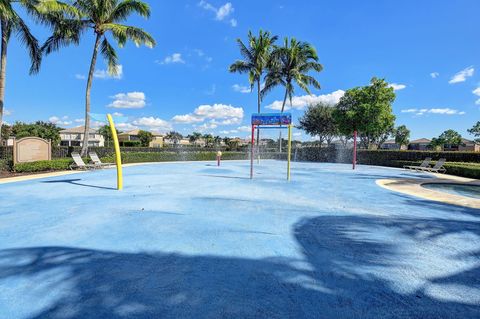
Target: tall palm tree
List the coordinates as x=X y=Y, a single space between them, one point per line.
x=256 y=56
x=12 y=23
x=102 y=17
x=290 y=64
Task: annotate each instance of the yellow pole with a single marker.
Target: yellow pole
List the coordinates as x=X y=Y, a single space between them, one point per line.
x=289 y=150
x=118 y=155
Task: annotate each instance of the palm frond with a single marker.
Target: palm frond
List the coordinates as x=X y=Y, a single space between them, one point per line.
x=240 y=67
x=66 y=32
x=127 y=7
x=109 y=54
x=29 y=41
x=122 y=33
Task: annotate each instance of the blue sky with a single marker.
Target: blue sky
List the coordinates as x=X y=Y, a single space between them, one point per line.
x=429 y=49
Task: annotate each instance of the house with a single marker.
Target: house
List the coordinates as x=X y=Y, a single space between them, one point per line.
x=74 y=137
x=422 y=144
x=469 y=146
x=157 y=140
x=392 y=145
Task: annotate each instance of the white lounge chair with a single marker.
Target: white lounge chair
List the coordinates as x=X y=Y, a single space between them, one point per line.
x=96 y=160
x=437 y=168
x=79 y=163
x=424 y=164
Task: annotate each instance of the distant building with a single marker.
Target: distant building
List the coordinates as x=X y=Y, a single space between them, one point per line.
x=157 y=141
x=422 y=144
x=469 y=146
x=74 y=137
x=392 y=145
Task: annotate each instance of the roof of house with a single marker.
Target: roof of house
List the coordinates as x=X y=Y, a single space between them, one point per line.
x=465 y=141
x=389 y=142
x=135 y=132
x=420 y=141
x=77 y=129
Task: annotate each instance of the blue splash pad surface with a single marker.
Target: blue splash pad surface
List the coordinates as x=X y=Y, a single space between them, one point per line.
x=192 y=240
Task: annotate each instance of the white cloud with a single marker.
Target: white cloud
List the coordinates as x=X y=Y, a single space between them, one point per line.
x=104 y=75
x=175 y=58
x=7 y=112
x=80 y=77
x=218 y=114
x=206 y=127
x=440 y=111
x=434 y=75
x=59 y=121
x=462 y=75
x=132 y=100
x=153 y=123
x=79 y=121
x=300 y=102
x=222 y=13
x=228 y=132
x=477 y=93
x=244 y=129
x=241 y=88
x=397 y=87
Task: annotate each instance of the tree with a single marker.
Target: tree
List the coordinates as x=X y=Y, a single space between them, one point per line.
x=475 y=131
x=174 y=136
x=194 y=137
x=217 y=140
x=106 y=132
x=48 y=131
x=402 y=135
x=12 y=23
x=145 y=137
x=290 y=64
x=367 y=110
x=256 y=57
x=102 y=17
x=448 y=139
x=209 y=140
x=6 y=133
x=318 y=121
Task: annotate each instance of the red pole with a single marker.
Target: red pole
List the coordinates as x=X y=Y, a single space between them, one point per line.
x=354 y=148
x=251 y=151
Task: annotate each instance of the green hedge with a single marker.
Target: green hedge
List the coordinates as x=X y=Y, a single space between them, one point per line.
x=42 y=166
x=142 y=157
x=5 y=165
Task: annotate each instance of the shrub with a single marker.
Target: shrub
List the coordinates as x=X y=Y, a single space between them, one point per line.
x=143 y=157
x=42 y=166
x=5 y=165
x=131 y=143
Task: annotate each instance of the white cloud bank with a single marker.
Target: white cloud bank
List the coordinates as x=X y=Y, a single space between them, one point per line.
x=218 y=114
x=440 y=111
x=222 y=13
x=434 y=75
x=462 y=75
x=153 y=123
x=300 y=102
x=59 y=121
x=132 y=100
x=104 y=75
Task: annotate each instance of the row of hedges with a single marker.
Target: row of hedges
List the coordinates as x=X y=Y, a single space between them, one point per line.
x=42 y=166
x=142 y=157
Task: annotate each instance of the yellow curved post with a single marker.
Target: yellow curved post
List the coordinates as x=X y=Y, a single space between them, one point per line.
x=118 y=156
x=289 y=153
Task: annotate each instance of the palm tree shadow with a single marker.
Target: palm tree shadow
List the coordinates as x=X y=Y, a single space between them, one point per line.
x=333 y=280
x=75 y=182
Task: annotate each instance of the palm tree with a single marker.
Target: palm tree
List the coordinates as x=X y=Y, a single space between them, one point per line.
x=290 y=64
x=194 y=138
x=256 y=56
x=12 y=23
x=102 y=17
x=174 y=136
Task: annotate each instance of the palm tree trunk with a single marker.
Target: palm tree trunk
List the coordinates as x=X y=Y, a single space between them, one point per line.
x=3 y=70
x=258 y=130
x=87 y=95
x=280 y=134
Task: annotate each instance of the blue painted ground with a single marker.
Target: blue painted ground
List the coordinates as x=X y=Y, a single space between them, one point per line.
x=190 y=240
